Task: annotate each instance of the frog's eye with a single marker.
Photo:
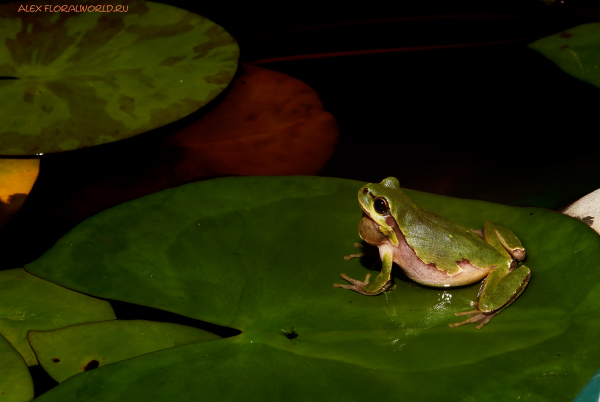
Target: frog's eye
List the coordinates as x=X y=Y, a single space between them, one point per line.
x=381 y=206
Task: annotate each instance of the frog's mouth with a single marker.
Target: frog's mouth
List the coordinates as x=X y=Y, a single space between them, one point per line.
x=384 y=225
x=366 y=215
x=368 y=230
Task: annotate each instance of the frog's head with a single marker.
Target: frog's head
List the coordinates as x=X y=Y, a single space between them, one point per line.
x=381 y=204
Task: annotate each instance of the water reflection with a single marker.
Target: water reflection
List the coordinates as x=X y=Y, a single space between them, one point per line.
x=434 y=315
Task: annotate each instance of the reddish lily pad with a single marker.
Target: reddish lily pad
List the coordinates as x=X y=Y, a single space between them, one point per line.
x=16 y=180
x=269 y=124
x=88 y=78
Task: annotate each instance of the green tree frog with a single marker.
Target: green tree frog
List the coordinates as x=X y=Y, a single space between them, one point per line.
x=435 y=251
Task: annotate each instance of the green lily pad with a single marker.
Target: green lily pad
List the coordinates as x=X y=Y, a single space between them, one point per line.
x=261 y=254
x=15 y=382
x=576 y=51
x=30 y=303
x=89 y=78
x=68 y=351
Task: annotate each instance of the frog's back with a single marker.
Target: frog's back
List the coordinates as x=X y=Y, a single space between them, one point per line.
x=447 y=245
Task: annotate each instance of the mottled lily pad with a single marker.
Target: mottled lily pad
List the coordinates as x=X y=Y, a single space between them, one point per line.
x=15 y=382
x=88 y=78
x=260 y=254
x=576 y=51
x=30 y=303
x=16 y=180
x=67 y=351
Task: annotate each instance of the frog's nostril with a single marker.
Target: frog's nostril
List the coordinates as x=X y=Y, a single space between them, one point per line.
x=366 y=191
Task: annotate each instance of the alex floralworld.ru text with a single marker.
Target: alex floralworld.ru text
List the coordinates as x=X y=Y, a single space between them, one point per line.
x=78 y=8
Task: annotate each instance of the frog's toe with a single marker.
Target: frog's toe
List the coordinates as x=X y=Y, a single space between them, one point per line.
x=358 y=286
x=477 y=316
x=353 y=281
x=369 y=251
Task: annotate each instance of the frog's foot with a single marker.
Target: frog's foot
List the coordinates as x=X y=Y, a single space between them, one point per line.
x=369 y=250
x=477 y=316
x=358 y=286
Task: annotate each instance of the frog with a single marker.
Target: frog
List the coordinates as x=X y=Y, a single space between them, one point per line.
x=437 y=252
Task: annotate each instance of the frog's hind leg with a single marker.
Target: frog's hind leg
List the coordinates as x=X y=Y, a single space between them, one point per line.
x=505 y=283
x=500 y=289
x=477 y=316
x=503 y=240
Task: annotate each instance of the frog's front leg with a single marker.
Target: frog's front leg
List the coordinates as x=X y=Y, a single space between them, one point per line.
x=505 y=283
x=379 y=285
